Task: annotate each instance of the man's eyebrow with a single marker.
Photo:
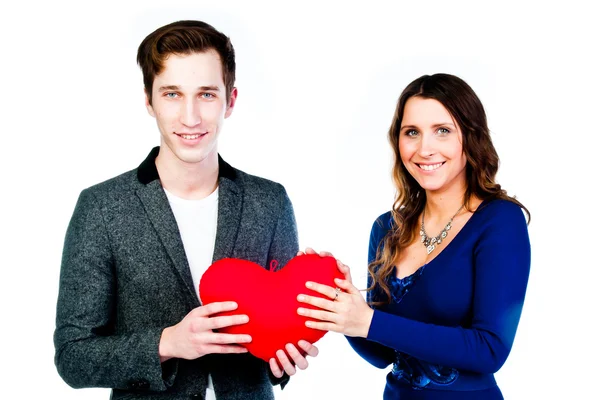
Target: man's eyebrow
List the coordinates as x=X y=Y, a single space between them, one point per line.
x=168 y=87
x=213 y=88
x=176 y=87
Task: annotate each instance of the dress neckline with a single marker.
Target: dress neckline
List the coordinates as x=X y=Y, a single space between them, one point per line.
x=460 y=233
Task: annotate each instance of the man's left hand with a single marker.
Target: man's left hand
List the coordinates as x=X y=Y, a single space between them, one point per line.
x=292 y=359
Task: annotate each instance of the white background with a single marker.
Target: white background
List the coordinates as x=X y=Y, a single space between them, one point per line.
x=318 y=82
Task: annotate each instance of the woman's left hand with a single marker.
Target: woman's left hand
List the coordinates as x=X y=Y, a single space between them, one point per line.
x=347 y=312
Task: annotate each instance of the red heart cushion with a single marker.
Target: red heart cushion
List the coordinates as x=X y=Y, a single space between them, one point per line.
x=268 y=298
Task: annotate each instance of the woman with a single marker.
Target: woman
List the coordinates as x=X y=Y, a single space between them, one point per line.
x=449 y=264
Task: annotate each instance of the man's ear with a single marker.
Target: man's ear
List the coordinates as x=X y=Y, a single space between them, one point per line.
x=148 y=104
x=231 y=103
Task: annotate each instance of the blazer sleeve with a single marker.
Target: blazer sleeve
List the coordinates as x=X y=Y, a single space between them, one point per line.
x=88 y=352
x=502 y=262
x=375 y=353
x=284 y=247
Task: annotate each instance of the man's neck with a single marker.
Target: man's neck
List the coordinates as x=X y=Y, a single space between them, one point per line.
x=192 y=181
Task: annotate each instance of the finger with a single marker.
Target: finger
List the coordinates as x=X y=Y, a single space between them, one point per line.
x=285 y=363
x=299 y=360
x=300 y=253
x=224 y=321
x=225 y=349
x=277 y=372
x=318 y=302
x=325 y=254
x=323 y=326
x=309 y=250
x=318 y=314
x=325 y=290
x=308 y=348
x=227 y=338
x=347 y=286
x=214 y=308
x=345 y=270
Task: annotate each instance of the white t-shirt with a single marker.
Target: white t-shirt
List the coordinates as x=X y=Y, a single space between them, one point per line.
x=197 y=222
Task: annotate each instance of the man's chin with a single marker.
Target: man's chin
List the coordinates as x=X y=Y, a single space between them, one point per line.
x=196 y=156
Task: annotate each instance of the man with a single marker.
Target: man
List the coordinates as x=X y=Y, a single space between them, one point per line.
x=128 y=314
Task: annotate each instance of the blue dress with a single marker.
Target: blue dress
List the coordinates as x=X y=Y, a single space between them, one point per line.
x=450 y=325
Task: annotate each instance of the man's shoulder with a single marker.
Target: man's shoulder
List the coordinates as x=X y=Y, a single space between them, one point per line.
x=119 y=184
x=258 y=187
x=256 y=183
x=259 y=192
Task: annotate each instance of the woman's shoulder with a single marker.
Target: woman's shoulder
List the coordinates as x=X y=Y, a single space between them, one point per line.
x=383 y=223
x=499 y=208
x=382 y=226
x=500 y=212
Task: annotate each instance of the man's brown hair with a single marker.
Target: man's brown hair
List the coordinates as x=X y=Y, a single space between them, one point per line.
x=184 y=38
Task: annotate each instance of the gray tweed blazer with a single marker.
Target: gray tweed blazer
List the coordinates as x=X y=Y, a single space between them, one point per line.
x=125 y=277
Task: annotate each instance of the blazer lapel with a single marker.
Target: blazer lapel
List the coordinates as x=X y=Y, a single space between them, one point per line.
x=159 y=212
x=230 y=212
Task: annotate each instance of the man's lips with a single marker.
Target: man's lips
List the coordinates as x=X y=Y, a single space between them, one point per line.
x=190 y=136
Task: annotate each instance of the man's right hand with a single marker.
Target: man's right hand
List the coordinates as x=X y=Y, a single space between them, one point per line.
x=193 y=337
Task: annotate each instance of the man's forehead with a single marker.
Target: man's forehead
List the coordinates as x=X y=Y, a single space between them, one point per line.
x=191 y=71
x=206 y=54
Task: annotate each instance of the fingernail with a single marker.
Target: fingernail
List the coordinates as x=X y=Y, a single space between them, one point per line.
x=309 y=284
x=337 y=280
x=309 y=323
x=301 y=297
x=301 y=311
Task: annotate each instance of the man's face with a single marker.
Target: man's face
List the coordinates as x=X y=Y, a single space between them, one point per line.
x=190 y=104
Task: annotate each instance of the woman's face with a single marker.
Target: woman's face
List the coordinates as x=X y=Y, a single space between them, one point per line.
x=430 y=145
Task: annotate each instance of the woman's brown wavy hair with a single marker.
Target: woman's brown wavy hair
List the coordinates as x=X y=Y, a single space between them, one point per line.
x=482 y=164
